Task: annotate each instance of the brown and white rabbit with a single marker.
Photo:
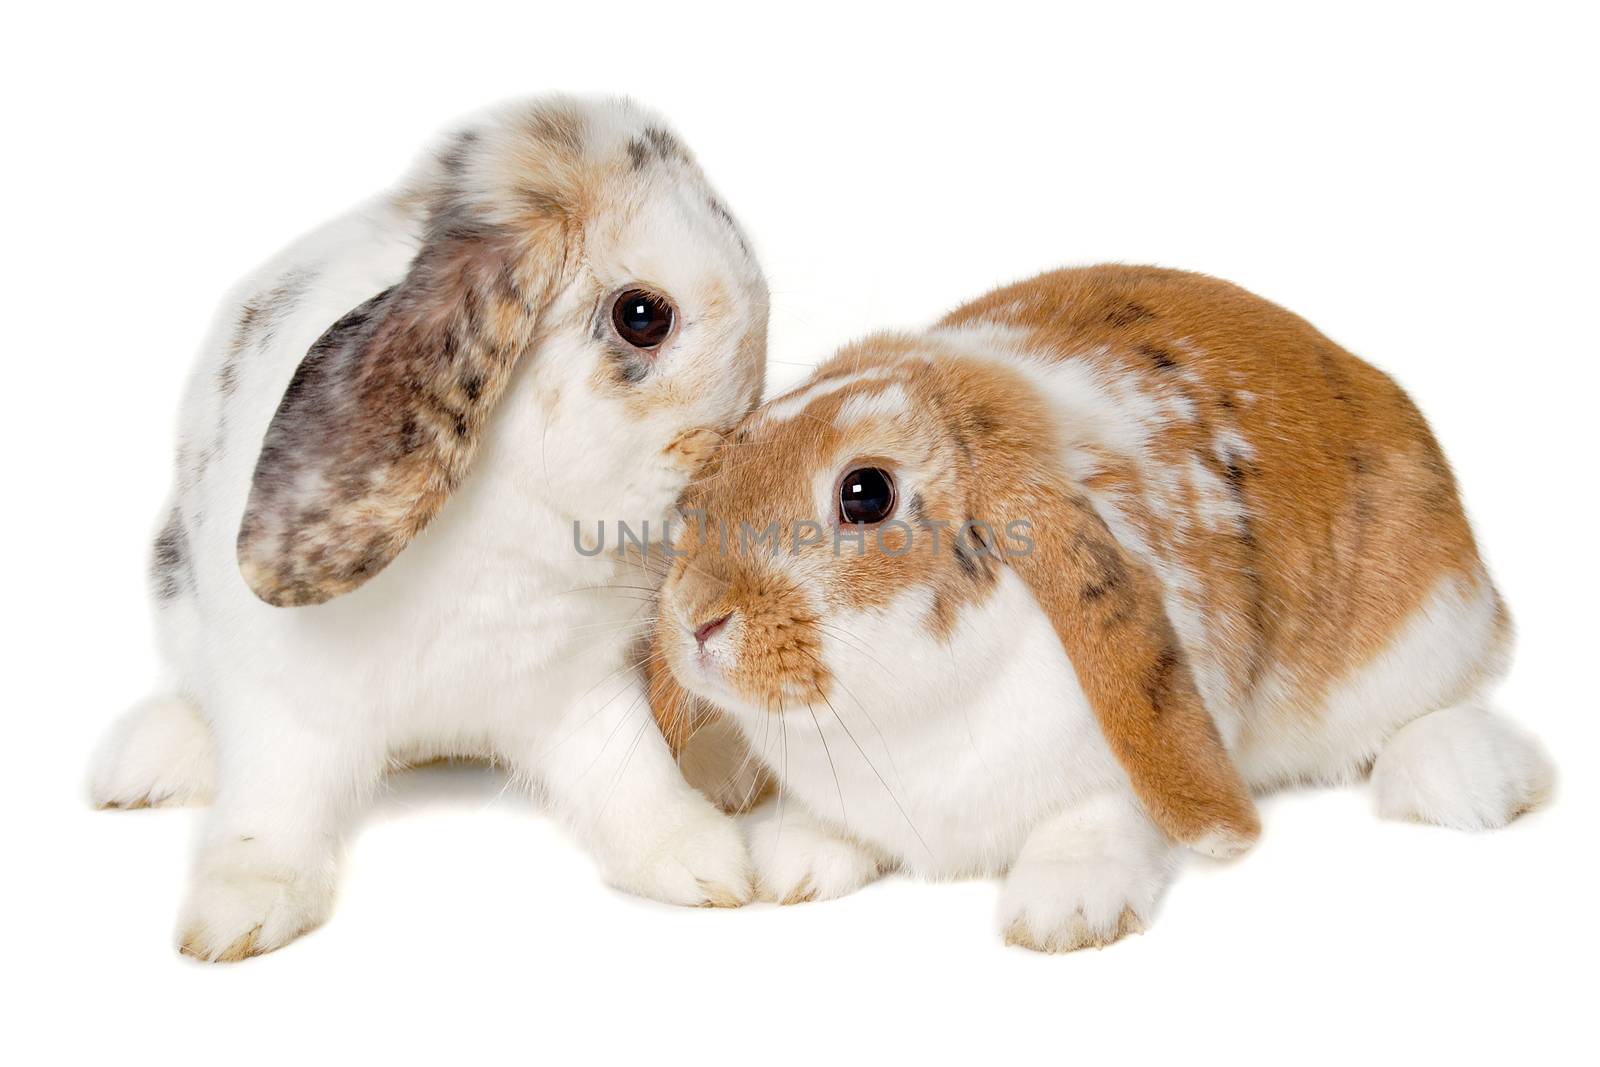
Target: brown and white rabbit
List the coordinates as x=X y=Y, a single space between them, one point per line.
x=1052 y=587
x=369 y=554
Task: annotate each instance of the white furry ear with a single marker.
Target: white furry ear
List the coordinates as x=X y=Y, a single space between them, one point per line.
x=383 y=416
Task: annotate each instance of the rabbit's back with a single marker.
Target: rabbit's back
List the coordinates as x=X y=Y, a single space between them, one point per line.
x=1289 y=495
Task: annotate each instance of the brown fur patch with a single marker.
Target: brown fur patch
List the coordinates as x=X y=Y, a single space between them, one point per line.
x=1351 y=510
x=383 y=416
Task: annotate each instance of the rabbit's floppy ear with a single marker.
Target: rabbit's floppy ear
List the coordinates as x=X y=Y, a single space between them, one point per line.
x=382 y=417
x=1105 y=606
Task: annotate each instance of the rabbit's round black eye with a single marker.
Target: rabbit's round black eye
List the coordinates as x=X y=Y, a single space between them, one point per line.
x=643 y=319
x=866 y=496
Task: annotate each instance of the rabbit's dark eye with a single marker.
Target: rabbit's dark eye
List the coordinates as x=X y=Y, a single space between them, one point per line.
x=866 y=496
x=642 y=318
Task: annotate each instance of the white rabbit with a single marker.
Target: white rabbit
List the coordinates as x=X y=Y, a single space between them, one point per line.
x=552 y=316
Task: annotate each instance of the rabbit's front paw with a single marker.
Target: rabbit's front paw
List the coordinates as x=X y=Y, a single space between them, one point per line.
x=798 y=860
x=700 y=863
x=1085 y=879
x=157 y=755
x=1052 y=907
x=240 y=909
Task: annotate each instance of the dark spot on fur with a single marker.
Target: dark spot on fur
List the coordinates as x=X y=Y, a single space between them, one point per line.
x=374 y=558
x=721 y=212
x=966 y=559
x=982 y=422
x=1331 y=374
x=454 y=155
x=1101 y=561
x=1249 y=570
x=410 y=435
x=258 y=320
x=1159 y=357
x=918 y=510
x=973 y=550
x=1159 y=683
x=472 y=385
x=506 y=285
x=544 y=202
x=1226 y=402
x=559 y=128
x=628 y=367
x=958 y=436
x=638 y=153
x=664 y=143
x=171 y=567
x=1127 y=314
x=472 y=312
x=726 y=218
x=633 y=371
x=1109 y=580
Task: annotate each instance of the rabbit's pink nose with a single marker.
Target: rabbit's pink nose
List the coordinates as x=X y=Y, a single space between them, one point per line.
x=704 y=633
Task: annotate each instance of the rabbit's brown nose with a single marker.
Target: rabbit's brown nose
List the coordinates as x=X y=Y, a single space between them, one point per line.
x=703 y=634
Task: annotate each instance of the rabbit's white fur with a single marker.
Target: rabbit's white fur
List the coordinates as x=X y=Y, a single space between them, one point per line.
x=490 y=635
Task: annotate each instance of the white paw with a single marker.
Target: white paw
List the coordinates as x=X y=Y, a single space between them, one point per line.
x=1086 y=880
x=700 y=863
x=1461 y=767
x=158 y=754
x=799 y=860
x=238 y=908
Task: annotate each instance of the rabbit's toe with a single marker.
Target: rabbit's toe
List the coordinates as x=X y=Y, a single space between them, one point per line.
x=700 y=863
x=234 y=911
x=799 y=860
x=1089 y=877
x=1059 y=910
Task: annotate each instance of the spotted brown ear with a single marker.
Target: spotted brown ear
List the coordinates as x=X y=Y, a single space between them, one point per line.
x=1106 y=607
x=382 y=418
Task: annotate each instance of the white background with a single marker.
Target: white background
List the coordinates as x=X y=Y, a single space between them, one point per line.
x=1418 y=181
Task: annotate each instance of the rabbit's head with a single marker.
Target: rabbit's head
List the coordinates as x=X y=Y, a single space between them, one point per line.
x=847 y=533
x=581 y=304
x=840 y=521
